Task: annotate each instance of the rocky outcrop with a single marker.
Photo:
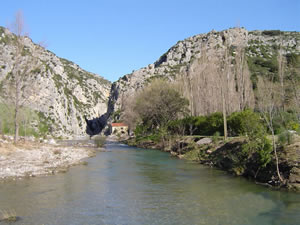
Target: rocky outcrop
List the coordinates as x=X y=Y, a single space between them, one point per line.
x=208 y=66
x=65 y=92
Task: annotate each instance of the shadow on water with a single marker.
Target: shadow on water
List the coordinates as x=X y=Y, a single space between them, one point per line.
x=127 y=185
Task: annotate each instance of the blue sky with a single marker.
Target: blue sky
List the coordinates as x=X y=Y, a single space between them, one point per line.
x=114 y=37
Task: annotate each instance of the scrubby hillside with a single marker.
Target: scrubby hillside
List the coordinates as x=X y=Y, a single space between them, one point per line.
x=217 y=65
x=63 y=92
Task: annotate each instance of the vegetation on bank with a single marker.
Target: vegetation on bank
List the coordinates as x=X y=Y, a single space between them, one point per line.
x=31 y=123
x=99 y=141
x=159 y=117
x=249 y=152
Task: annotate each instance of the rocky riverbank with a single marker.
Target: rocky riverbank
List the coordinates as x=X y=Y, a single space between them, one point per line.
x=227 y=156
x=31 y=158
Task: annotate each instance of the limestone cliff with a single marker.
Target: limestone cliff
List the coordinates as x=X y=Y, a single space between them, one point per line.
x=65 y=91
x=210 y=66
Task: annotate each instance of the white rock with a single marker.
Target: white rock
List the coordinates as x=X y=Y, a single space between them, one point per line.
x=52 y=141
x=204 y=141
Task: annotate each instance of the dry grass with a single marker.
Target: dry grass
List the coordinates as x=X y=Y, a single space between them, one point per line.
x=8 y=215
x=7 y=148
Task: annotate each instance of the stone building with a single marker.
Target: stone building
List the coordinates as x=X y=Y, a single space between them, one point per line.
x=119 y=128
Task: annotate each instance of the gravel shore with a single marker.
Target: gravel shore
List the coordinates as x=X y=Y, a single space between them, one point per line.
x=28 y=159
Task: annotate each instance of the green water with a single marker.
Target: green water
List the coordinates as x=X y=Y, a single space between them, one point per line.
x=126 y=185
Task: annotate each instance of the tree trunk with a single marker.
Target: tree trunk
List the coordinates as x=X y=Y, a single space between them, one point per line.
x=17 y=105
x=16 y=138
x=224 y=117
x=276 y=157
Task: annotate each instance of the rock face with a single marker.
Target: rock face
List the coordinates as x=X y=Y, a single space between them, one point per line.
x=211 y=66
x=65 y=91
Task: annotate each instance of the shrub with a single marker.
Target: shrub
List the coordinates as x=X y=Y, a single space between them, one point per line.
x=271 y=32
x=8 y=216
x=158 y=104
x=259 y=148
x=99 y=141
x=216 y=137
x=293 y=59
x=208 y=125
x=285 y=121
x=198 y=125
x=244 y=123
x=286 y=137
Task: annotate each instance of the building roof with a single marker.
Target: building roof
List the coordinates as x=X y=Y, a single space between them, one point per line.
x=118 y=125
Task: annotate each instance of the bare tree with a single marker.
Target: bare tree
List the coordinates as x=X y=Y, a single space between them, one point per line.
x=281 y=74
x=295 y=84
x=129 y=115
x=268 y=101
x=241 y=69
x=225 y=74
x=17 y=88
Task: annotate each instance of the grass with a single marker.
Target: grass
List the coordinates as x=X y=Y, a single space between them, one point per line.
x=192 y=155
x=26 y=117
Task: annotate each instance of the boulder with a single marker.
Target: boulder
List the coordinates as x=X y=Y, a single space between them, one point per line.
x=52 y=141
x=204 y=141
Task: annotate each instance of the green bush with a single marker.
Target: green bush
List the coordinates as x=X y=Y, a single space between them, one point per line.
x=216 y=137
x=285 y=121
x=244 y=123
x=271 y=32
x=293 y=59
x=259 y=149
x=208 y=125
x=186 y=126
x=142 y=130
x=286 y=137
x=198 y=125
x=152 y=137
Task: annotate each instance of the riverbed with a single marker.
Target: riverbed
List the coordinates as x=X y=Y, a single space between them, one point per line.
x=127 y=185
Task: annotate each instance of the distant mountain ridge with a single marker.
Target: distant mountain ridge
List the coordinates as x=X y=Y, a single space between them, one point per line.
x=197 y=64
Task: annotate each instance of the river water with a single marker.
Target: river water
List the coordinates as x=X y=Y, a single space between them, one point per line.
x=127 y=185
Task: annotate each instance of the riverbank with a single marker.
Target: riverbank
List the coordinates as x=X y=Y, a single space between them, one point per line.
x=227 y=156
x=31 y=158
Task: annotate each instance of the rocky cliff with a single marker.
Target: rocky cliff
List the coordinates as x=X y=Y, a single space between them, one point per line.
x=64 y=91
x=213 y=66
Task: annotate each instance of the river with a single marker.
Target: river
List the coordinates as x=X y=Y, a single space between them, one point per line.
x=127 y=185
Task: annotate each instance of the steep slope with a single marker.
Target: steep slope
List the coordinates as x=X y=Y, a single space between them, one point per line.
x=64 y=91
x=211 y=66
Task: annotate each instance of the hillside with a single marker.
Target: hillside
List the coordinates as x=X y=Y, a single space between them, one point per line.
x=64 y=92
x=202 y=64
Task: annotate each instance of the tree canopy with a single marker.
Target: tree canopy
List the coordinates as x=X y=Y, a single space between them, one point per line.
x=158 y=104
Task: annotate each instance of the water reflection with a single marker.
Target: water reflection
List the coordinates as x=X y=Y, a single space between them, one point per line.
x=133 y=186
